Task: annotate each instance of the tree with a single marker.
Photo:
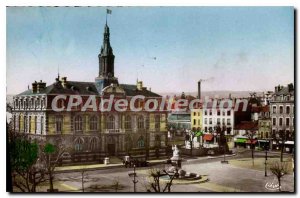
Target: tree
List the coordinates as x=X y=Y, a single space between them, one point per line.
x=156 y=185
x=190 y=137
x=223 y=146
x=26 y=170
x=51 y=155
x=282 y=135
x=116 y=184
x=250 y=134
x=279 y=169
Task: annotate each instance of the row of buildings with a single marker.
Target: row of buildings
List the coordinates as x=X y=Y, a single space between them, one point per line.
x=270 y=118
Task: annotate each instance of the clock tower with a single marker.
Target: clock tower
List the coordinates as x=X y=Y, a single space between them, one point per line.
x=106 y=63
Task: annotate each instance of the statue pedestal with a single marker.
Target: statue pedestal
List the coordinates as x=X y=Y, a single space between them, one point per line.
x=177 y=160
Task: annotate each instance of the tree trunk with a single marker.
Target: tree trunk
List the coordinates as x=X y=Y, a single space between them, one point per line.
x=279 y=183
x=82 y=180
x=281 y=154
x=252 y=153
x=51 y=181
x=191 y=151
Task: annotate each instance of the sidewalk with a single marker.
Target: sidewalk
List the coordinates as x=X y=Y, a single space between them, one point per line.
x=91 y=167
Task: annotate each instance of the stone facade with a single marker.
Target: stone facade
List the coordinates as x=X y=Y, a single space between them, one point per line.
x=282 y=110
x=89 y=136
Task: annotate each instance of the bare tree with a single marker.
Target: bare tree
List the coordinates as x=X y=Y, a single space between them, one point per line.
x=156 y=185
x=51 y=156
x=282 y=135
x=116 y=184
x=192 y=134
x=279 y=169
x=28 y=180
x=250 y=134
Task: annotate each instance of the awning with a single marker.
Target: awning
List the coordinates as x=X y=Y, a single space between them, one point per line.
x=289 y=142
x=253 y=142
x=263 y=140
x=208 y=137
x=240 y=140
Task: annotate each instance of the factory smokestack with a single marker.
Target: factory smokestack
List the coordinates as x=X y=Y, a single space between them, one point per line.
x=199 y=89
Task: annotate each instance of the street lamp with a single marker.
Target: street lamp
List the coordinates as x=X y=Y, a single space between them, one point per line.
x=134 y=181
x=266 y=158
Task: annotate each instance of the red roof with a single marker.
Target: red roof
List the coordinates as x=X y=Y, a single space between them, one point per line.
x=208 y=137
x=260 y=109
x=247 y=125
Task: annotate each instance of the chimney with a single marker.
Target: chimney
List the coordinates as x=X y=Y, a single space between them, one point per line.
x=40 y=86
x=290 y=87
x=277 y=88
x=64 y=82
x=139 y=85
x=199 y=89
x=34 y=87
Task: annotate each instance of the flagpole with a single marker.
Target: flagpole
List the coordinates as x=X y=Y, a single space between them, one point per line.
x=106 y=18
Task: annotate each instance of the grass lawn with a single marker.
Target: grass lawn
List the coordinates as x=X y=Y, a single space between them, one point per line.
x=259 y=163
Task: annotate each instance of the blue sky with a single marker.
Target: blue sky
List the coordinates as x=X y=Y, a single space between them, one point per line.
x=240 y=48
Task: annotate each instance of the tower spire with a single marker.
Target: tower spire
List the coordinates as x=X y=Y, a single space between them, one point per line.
x=106 y=61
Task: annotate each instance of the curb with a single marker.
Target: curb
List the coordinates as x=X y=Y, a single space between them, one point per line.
x=208 y=157
x=99 y=168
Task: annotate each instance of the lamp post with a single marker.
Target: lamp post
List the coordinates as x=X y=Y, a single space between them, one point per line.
x=266 y=158
x=134 y=180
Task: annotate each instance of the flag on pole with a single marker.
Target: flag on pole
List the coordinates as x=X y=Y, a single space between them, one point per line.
x=108 y=11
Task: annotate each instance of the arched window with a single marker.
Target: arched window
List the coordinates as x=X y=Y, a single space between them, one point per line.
x=157 y=121
x=25 y=124
x=29 y=122
x=59 y=123
x=94 y=144
x=287 y=110
x=141 y=142
x=35 y=124
x=110 y=124
x=127 y=122
x=19 y=125
x=42 y=124
x=140 y=122
x=78 y=123
x=128 y=143
x=93 y=123
x=79 y=144
x=281 y=109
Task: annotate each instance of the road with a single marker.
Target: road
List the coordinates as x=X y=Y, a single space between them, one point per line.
x=222 y=177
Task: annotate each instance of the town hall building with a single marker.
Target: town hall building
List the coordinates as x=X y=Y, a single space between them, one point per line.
x=90 y=136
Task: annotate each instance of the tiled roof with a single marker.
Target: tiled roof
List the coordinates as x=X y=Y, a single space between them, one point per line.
x=73 y=87
x=87 y=88
x=131 y=90
x=285 y=91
